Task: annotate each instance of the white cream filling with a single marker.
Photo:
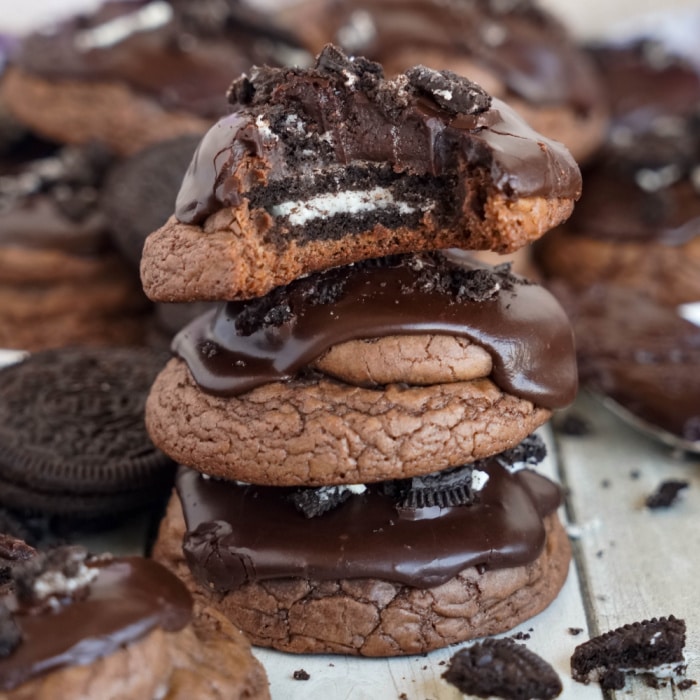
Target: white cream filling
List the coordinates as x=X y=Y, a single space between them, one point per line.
x=674 y=670
x=479 y=479
x=349 y=202
x=690 y=312
x=54 y=582
x=151 y=16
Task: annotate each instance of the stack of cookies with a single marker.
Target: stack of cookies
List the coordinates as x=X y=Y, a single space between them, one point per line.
x=355 y=418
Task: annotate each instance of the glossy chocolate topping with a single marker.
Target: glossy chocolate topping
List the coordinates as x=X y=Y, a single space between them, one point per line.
x=130 y=597
x=291 y=124
x=182 y=53
x=52 y=202
x=240 y=533
x=640 y=353
x=524 y=46
x=520 y=324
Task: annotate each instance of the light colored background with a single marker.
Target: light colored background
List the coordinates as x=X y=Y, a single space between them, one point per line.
x=586 y=17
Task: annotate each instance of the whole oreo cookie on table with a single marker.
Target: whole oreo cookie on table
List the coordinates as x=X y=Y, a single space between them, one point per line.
x=519 y=51
x=72 y=439
x=62 y=283
x=78 y=626
x=131 y=73
x=335 y=164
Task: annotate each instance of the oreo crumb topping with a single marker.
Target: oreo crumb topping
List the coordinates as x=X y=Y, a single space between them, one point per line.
x=433 y=271
x=575 y=631
x=72 y=178
x=301 y=675
x=666 y=494
x=455 y=94
x=653 y=646
x=502 y=668
x=56 y=576
x=313 y=502
x=10 y=635
x=528 y=453
x=448 y=488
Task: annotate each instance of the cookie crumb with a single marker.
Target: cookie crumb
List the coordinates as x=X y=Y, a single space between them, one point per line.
x=520 y=636
x=300 y=675
x=635 y=474
x=574 y=425
x=504 y=669
x=574 y=631
x=686 y=684
x=666 y=494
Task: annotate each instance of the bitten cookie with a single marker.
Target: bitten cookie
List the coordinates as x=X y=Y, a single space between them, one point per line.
x=331 y=165
x=122 y=628
x=134 y=73
x=72 y=439
x=267 y=557
x=517 y=51
x=242 y=402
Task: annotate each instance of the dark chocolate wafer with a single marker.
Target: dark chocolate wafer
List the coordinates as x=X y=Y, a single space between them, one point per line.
x=72 y=439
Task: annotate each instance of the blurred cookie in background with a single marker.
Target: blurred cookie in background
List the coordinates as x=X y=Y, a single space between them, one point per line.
x=135 y=72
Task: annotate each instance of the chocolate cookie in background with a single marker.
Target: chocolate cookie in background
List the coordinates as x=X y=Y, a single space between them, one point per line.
x=639 y=353
x=137 y=198
x=637 y=224
x=135 y=72
x=517 y=51
x=78 y=626
x=334 y=164
x=73 y=446
x=61 y=282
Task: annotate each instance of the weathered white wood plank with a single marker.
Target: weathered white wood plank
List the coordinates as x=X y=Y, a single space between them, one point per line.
x=419 y=677
x=637 y=563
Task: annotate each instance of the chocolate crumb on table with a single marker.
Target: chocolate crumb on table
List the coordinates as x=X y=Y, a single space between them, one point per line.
x=652 y=647
x=574 y=631
x=301 y=675
x=666 y=494
x=501 y=668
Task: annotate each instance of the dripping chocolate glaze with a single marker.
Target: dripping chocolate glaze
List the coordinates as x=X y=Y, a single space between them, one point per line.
x=523 y=328
x=366 y=119
x=239 y=533
x=182 y=53
x=130 y=597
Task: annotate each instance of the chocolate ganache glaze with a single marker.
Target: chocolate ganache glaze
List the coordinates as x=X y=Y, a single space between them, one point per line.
x=182 y=53
x=242 y=345
x=305 y=128
x=129 y=597
x=239 y=533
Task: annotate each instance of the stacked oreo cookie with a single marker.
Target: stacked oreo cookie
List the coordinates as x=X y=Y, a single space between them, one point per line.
x=354 y=419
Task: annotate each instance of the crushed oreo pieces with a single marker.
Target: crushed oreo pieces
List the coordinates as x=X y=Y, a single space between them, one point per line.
x=448 y=488
x=56 y=576
x=651 y=648
x=504 y=669
x=454 y=93
x=528 y=453
x=301 y=675
x=666 y=494
x=313 y=502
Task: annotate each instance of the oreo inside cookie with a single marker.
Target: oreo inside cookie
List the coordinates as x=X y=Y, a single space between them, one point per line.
x=504 y=669
x=454 y=93
x=72 y=435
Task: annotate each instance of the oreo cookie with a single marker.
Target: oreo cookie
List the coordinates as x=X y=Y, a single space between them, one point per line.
x=72 y=435
x=504 y=669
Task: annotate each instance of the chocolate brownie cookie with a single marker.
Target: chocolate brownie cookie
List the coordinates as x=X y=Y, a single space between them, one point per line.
x=61 y=283
x=470 y=573
x=123 y=628
x=133 y=73
x=335 y=164
x=243 y=375
x=72 y=439
x=641 y=354
x=518 y=51
x=638 y=222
